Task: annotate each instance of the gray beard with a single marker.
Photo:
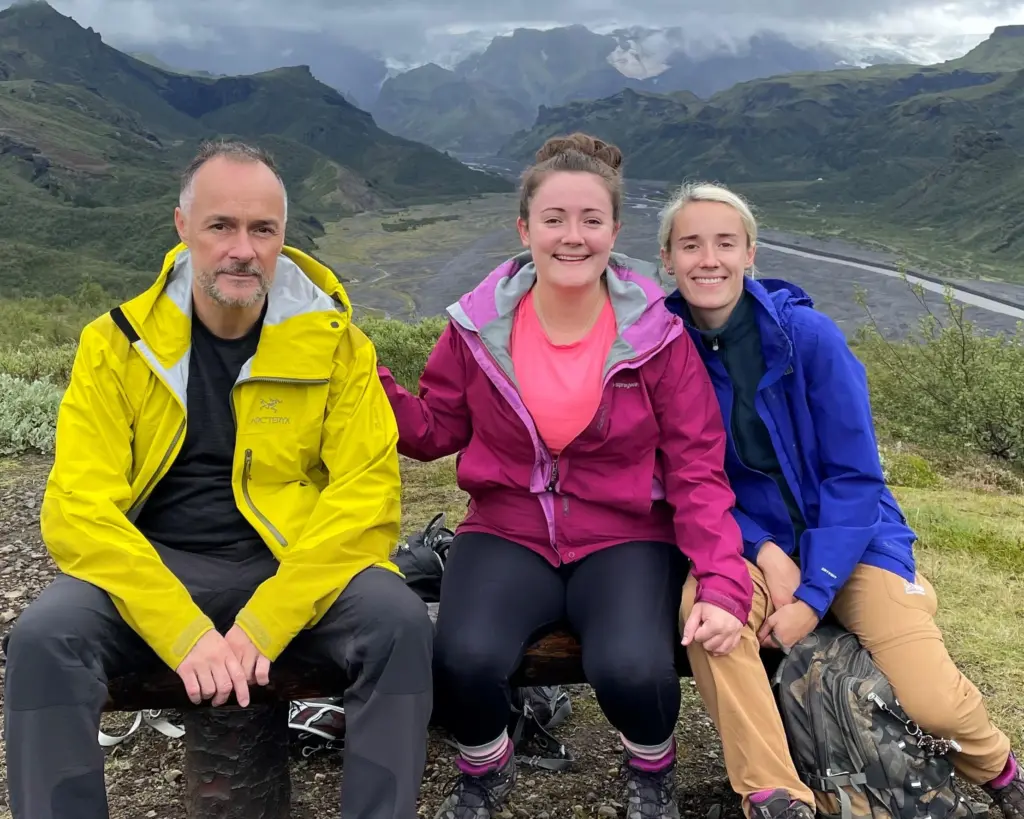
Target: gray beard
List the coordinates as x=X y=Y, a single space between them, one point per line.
x=207 y=280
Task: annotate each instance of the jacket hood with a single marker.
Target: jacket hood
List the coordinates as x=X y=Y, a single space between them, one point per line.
x=636 y=296
x=632 y=284
x=783 y=293
x=778 y=297
x=302 y=284
x=776 y=300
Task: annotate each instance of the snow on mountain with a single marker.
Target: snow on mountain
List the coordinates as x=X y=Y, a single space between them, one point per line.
x=864 y=50
x=642 y=53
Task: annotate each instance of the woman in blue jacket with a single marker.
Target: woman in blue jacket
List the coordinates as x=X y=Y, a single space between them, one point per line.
x=816 y=514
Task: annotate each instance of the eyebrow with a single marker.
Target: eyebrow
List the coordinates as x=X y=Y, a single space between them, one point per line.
x=233 y=220
x=717 y=235
x=585 y=210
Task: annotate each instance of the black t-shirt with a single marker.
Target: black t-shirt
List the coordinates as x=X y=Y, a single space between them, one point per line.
x=193 y=507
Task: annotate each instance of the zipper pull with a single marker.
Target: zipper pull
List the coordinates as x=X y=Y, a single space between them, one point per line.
x=554 y=477
x=714 y=344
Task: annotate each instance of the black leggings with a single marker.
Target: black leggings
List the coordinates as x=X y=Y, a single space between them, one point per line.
x=622 y=603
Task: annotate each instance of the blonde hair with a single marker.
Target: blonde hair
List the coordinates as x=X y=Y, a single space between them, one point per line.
x=705 y=192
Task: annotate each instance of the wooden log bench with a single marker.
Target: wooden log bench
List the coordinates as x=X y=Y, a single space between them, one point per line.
x=237 y=759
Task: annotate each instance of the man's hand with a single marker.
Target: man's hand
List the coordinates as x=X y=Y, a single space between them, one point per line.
x=255 y=666
x=211 y=669
x=718 y=630
x=781 y=573
x=788 y=626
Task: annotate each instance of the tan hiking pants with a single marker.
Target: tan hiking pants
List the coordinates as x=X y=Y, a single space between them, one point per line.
x=739 y=699
x=895 y=622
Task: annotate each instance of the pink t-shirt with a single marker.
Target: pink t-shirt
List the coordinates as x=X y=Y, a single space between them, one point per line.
x=560 y=383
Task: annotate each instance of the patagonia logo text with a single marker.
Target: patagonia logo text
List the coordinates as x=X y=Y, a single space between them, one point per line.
x=625 y=385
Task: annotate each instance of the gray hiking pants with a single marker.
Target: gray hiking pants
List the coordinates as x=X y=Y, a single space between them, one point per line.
x=71 y=640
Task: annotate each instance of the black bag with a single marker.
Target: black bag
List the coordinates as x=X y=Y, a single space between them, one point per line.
x=320 y=724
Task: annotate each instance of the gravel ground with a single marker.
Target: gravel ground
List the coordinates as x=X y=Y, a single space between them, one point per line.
x=144 y=773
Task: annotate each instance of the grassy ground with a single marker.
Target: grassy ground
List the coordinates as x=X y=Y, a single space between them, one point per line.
x=972 y=548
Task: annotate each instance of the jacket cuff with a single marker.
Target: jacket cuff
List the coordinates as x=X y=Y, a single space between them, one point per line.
x=751 y=549
x=269 y=644
x=177 y=651
x=818 y=599
x=723 y=601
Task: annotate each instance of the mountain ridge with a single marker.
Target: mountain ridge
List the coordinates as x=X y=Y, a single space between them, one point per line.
x=92 y=141
x=891 y=144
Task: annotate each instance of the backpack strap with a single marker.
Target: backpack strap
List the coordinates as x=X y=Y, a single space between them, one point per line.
x=835 y=784
x=125 y=326
x=528 y=728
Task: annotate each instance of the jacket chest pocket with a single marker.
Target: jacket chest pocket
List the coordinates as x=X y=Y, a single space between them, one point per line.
x=283 y=423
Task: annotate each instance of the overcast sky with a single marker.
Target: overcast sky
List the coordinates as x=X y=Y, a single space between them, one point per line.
x=405 y=26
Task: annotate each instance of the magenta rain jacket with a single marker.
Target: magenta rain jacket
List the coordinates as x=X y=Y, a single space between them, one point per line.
x=650 y=466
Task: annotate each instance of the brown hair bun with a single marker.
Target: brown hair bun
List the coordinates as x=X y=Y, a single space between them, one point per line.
x=585 y=144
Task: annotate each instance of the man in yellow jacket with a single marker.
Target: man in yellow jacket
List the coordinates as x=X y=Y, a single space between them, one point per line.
x=225 y=489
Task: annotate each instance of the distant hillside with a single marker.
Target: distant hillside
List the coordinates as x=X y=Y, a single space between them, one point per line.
x=492 y=94
x=92 y=141
x=447 y=110
x=886 y=138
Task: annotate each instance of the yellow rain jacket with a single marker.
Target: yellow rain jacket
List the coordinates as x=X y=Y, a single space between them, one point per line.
x=315 y=468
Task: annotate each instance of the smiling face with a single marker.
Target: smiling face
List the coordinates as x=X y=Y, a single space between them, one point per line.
x=571 y=229
x=234 y=228
x=708 y=253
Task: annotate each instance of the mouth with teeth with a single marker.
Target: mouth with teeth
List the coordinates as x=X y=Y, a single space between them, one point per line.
x=566 y=258
x=708 y=281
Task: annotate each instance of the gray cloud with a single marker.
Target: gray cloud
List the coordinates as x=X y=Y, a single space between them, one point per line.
x=413 y=27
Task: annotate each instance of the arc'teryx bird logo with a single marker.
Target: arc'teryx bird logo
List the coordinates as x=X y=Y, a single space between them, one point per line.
x=269 y=405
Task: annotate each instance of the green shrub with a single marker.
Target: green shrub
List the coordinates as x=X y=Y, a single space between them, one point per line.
x=403 y=348
x=28 y=415
x=32 y=362
x=907 y=469
x=950 y=386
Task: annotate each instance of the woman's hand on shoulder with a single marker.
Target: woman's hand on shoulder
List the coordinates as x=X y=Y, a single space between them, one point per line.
x=716 y=629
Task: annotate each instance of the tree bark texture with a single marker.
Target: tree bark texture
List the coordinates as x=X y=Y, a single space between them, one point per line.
x=236 y=763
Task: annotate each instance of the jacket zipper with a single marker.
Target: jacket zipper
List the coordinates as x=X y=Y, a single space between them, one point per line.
x=252 y=506
x=552 y=485
x=158 y=474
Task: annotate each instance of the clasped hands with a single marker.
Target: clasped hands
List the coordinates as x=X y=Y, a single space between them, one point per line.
x=218 y=664
x=792 y=619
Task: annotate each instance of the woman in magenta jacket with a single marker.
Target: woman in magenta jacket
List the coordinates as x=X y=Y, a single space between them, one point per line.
x=592 y=449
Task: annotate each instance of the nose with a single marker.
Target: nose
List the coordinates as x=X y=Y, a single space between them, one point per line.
x=242 y=249
x=572 y=235
x=708 y=257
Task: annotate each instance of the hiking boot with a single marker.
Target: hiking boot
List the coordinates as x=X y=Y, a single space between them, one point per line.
x=650 y=794
x=479 y=793
x=777 y=804
x=1009 y=797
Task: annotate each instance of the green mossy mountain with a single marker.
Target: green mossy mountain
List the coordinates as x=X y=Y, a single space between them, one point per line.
x=92 y=142
x=450 y=111
x=917 y=146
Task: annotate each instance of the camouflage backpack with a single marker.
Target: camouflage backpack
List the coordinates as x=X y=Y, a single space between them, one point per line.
x=851 y=741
